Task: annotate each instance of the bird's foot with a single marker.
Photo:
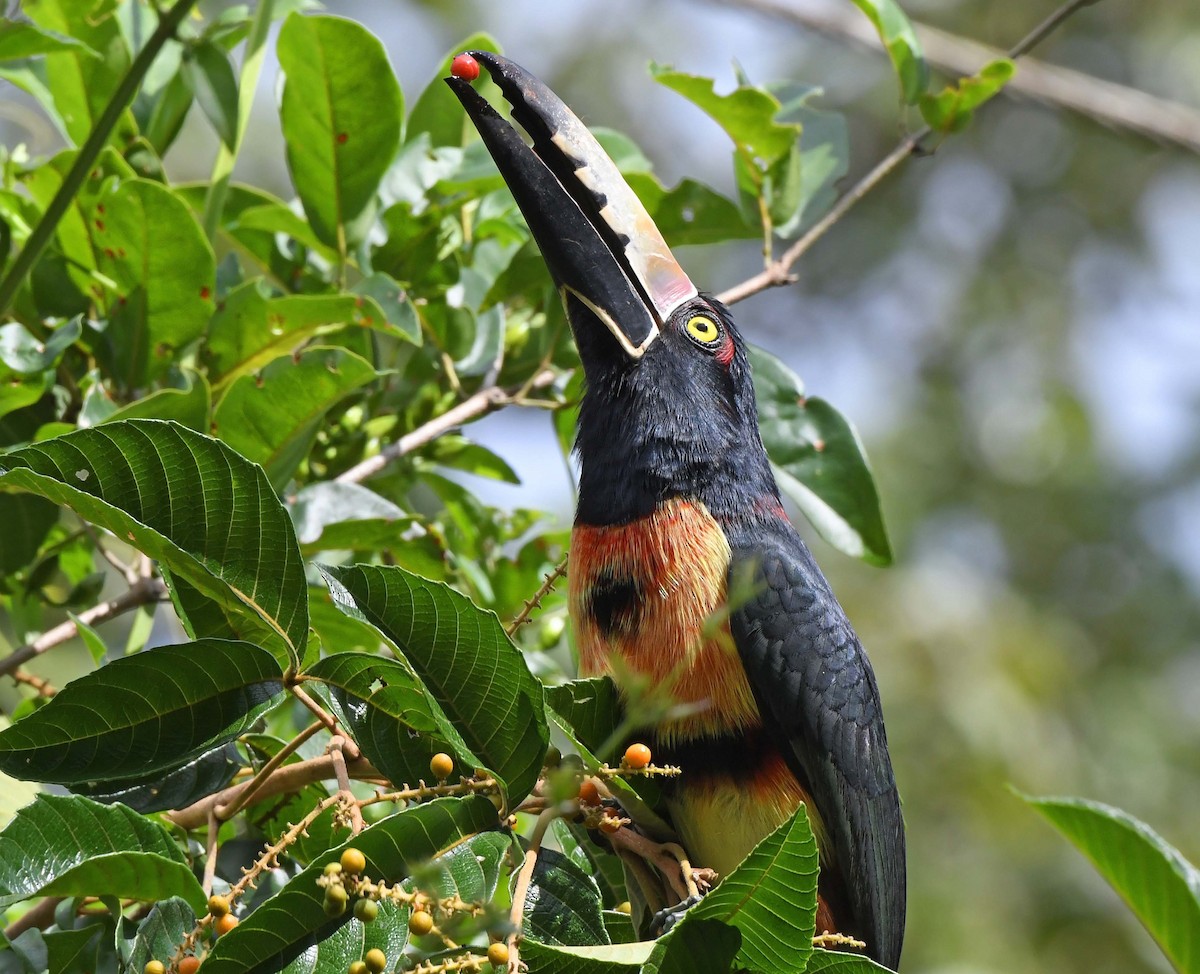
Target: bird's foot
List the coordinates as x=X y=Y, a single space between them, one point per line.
x=665 y=919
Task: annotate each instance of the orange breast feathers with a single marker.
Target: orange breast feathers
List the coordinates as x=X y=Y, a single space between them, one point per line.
x=648 y=606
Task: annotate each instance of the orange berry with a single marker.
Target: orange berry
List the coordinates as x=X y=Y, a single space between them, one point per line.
x=189 y=965
x=225 y=924
x=589 y=794
x=353 y=861
x=441 y=766
x=420 y=923
x=637 y=756
x=218 y=906
x=498 y=954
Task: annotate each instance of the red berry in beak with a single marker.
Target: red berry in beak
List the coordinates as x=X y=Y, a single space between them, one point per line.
x=464 y=66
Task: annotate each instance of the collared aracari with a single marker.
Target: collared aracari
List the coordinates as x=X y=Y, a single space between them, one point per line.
x=679 y=523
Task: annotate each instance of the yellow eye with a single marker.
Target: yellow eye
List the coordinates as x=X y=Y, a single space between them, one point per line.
x=703 y=329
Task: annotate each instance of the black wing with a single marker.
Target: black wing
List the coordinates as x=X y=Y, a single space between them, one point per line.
x=816 y=690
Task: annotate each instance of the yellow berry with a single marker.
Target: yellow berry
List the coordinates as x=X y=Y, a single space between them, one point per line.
x=154 y=967
x=498 y=954
x=637 y=756
x=624 y=907
x=353 y=861
x=335 y=901
x=358 y=967
x=226 y=923
x=366 y=910
x=376 y=961
x=218 y=906
x=333 y=869
x=420 y=923
x=441 y=766
x=189 y=965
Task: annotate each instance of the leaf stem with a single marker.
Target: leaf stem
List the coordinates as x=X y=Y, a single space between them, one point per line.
x=89 y=151
x=254 y=785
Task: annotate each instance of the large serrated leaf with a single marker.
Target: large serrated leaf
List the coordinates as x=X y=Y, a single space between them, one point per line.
x=153 y=711
x=562 y=903
x=199 y=778
x=350 y=942
x=841 y=963
x=287 y=924
x=771 y=898
x=161 y=932
x=70 y=846
x=466 y=662
x=700 y=947
x=339 y=143
x=819 y=462
x=205 y=513
x=1150 y=875
x=390 y=714
x=606 y=959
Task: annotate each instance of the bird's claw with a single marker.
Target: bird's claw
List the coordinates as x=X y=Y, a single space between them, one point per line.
x=664 y=920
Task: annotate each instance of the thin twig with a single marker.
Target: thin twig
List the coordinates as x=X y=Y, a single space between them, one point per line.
x=779 y=272
x=484 y=401
x=141 y=593
x=326 y=718
x=343 y=780
x=40 y=916
x=43 y=688
x=536 y=600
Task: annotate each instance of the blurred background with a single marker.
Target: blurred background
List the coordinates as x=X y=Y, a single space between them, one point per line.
x=1013 y=324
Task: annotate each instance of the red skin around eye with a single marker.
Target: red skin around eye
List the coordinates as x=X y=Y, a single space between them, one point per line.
x=725 y=353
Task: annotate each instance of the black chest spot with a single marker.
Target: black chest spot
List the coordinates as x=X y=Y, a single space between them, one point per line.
x=615 y=604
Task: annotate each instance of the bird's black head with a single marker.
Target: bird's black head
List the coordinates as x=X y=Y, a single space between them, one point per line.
x=669 y=404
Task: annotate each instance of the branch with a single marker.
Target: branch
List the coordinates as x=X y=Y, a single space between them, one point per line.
x=484 y=401
x=97 y=139
x=142 y=592
x=1108 y=103
x=779 y=272
x=289 y=778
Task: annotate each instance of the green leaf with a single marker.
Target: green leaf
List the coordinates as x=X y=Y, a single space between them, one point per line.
x=199 y=778
x=824 y=152
x=1159 y=885
x=150 y=246
x=841 y=963
x=73 y=951
x=900 y=41
x=470 y=871
x=606 y=959
x=150 y=712
x=209 y=74
x=819 y=462
x=339 y=142
x=189 y=406
x=161 y=932
x=252 y=330
x=22 y=40
x=332 y=515
x=272 y=418
x=436 y=111
x=21 y=352
x=771 y=898
x=394 y=303
x=388 y=711
x=691 y=213
x=951 y=108
x=280 y=928
x=747 y=114
x=593 y=710
x=351 y=941
x=467 y=663
x=700 y=947
x=70 y=846
x=562 y=904
x=205 y=513
x=81 y=83
x=27 y=520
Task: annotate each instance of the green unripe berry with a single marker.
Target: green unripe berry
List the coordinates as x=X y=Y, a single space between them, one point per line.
x=366 y=910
